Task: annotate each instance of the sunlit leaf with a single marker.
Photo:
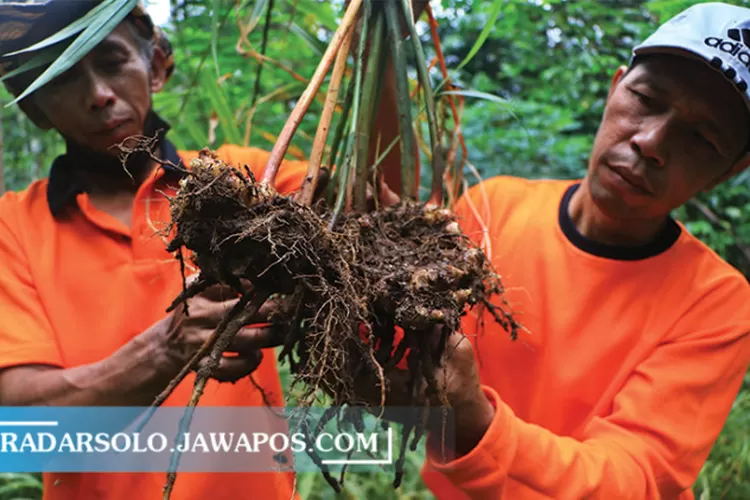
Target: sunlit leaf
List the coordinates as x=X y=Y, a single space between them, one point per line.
x=73 y=28
x=316 y=45
x=37 y=61
x=220 y=104
x=489 y=26
x=255 y=15
x=100 y=25
x=215 y=34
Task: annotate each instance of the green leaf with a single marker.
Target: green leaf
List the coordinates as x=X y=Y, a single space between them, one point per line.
x=252 y=22
x=215 y=35
x=75 y=27
x=479 y=95
x=734 y=213
x=321 y=12
x=111 y=14
x=316 y=45
x=38 y=60
x=221 y=106
x=18 y=485
x=198 y=136
x=494 y=13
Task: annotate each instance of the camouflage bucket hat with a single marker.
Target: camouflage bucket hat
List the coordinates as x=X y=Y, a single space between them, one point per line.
x=41 y=39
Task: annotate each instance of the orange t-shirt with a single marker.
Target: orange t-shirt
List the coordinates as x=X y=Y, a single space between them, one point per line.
x=629 y=367
x=73 y=290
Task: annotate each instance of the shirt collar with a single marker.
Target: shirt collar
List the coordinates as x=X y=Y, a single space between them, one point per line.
x=64 y=185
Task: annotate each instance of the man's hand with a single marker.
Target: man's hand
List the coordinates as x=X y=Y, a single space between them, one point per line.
x=458 y=379
x=186 y=334
x=139 y=371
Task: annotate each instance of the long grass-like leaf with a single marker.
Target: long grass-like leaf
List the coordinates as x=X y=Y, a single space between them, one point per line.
x=197 y=134
x=316 y=45
x=318 y=11
x=252 y=21
x=73 y=28
x=479 y=95
x=103 y=24
x=38 y=60
x=221 y=106
x=494 y=13
x=215 y=35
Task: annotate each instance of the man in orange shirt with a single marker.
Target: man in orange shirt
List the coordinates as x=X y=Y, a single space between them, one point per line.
x=85 y=279
x=637 y=335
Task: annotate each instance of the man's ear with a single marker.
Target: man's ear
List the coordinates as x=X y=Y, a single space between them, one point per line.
x=616 y=78
x=158 y=70
x=34 y=112
x=738 y=167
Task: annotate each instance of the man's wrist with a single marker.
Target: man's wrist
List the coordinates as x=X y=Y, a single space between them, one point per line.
x=163 y=363
x=472 y=418
x=466 y=426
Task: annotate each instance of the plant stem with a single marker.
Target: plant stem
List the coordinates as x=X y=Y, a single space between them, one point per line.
x=342 y=163
x=365 y=117
x=359 y=69
x=403 y=97
x=456 y=178
x=338 y=137
x=285 y=137
x=263 y=47
x=436 y=196
x=321 y=136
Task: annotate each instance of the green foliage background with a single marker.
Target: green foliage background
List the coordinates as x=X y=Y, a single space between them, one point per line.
x=546 y=65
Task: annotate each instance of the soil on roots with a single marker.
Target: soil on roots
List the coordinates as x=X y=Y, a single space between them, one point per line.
x=375 y=289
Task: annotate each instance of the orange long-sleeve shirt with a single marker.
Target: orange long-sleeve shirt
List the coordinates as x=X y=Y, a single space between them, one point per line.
x=76 y=288
x=629 y=367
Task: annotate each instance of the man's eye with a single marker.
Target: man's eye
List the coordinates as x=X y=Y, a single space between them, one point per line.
x=113 y=64
x=643 y=98
x=705 y=141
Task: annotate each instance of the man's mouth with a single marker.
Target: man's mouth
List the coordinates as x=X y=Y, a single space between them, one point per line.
x=638 y=182
x=111 y=126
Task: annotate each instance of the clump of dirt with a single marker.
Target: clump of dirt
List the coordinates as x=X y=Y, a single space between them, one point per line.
x=373 y=290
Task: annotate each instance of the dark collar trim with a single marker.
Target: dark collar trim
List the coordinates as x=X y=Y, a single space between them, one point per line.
x=663 y=241
x=63 y=186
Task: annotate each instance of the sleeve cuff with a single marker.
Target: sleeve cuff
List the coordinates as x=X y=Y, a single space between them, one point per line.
x=30 y=355
x=493 y=454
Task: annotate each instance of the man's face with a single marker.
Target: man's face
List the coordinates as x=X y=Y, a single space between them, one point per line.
x=672 y=127
x=105 y=97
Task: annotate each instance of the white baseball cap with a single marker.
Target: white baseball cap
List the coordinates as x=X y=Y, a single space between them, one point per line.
x=717 y=33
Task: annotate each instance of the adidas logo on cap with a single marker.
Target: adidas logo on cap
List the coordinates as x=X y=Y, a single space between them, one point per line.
x=738 y=44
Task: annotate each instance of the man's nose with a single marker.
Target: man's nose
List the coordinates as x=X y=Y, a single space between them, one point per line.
x=651 y=140
x=101 y=94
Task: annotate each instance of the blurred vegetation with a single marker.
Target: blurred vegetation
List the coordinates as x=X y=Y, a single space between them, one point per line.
x=535 y=93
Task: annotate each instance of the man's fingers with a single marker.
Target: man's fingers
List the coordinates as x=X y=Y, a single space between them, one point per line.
x=252 y=339
x=219 y=293
x=215 y=313
x=233 y=368
x=273 y=308
x=397 y=395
